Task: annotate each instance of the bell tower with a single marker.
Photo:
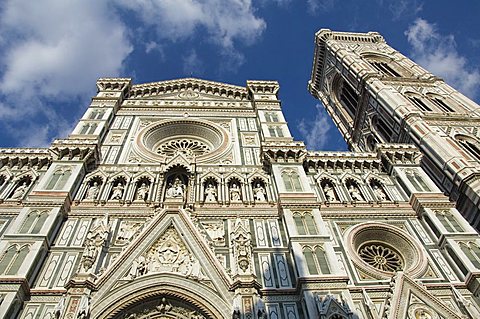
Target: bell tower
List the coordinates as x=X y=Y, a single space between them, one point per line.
x=377 y=95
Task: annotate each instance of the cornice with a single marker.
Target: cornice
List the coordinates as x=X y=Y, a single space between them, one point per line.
x=196 y=85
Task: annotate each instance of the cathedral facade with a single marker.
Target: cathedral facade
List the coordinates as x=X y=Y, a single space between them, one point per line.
x=190 y=199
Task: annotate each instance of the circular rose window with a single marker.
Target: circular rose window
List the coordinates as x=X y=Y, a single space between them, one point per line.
x=194 y=138
x=380 y=250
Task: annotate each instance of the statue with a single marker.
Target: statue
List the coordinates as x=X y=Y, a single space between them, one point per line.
x=354 y=193
x=210 y=194
x=84 y=308
x=379 y=193
x=175 y=190
x=20 y=191
x=142 y=192
x=93 y=191
x=89 y=255
x=60 y=307
x=118 y=191
x=259 y=193
x=235 y=195
x=329 y=193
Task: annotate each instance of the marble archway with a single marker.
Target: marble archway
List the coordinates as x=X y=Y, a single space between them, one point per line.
x=162 y=296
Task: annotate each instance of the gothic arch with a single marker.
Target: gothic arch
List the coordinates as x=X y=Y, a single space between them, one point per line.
x=470 y=144
x=170 y=286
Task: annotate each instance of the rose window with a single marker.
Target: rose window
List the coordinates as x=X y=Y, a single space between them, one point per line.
x=184 y=146
x=200 y=139
x=379 y=250
x=381 y=257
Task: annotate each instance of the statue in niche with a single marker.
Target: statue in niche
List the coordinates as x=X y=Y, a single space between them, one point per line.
x=93 y=191
x=142 y=192
x=379 y=193
x=175 y=190
x=355 y=192
x=259 y=193
x=210 y=194
x=329 y=193
x=20 y=191
x=235 y=195
x=118 y=191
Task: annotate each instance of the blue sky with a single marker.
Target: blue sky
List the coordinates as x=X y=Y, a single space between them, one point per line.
x=52 y=52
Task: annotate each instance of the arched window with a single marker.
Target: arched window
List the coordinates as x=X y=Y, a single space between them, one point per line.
x=275 y=131
x=440 y=103
x=34 y=222
x=291 y=180
x=271 y=117
x=13 y=259
x=59 y=179
x=305 y=223
x=384 y=68
x=449 y=221
x=85 y=128
x=316 y=260
x=470 y=144
x=418 y=102
x=349 y=98
x=472 y=252
x=417 y=181
x=92 y=129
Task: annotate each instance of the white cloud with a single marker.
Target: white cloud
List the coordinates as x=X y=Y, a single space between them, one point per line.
x=316 y=131
x=320 y=5
x=192 y=64
x=60 y=47
x=438 y=54
x=223 y=22
x=52 y=51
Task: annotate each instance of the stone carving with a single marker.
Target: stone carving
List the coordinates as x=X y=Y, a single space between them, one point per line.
x=329 y=306
x=355 y=193
x=93 y=191
x=127 y=231
x=60 y=307
x=379 y=193
x=235 y=194
x=165 y=309
x=96 y=238
x=259 y=193
x=242 y=248
x=118 y=191
x=329 y=193
x=84 y=307
x=381 y=257
x=142 y=191
x=169 y=254
x=20 y=191
x=216 y=231
x=175 y=190
x=210 y=194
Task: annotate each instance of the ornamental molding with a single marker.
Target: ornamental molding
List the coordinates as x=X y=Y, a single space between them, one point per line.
x=188 y=84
